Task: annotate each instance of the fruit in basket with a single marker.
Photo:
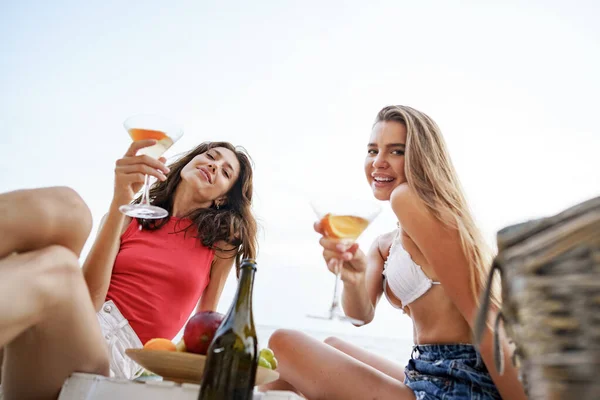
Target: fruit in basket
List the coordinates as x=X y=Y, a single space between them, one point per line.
x=160 y=344
x=200 y=331
x=264 y=363
x=180 y=346
x=268 y=355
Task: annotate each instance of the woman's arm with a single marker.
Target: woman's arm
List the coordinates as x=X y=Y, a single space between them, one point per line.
x=219 y=271
x=129 y=177
x=361 y=295
x=441 y=247
x=97 y=268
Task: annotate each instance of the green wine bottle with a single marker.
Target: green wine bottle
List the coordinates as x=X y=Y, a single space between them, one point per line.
x=232 y=357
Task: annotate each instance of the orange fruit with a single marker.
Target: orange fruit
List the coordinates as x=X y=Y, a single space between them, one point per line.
x=160 y=344
x=343 y=226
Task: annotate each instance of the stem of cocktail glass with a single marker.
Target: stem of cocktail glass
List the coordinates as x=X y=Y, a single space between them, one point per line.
x=146 y=192
x=339 y=265
x=335 y=304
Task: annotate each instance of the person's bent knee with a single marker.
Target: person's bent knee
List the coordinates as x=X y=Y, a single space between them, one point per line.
x=37 y=218
x=74 y=205
x=63 y=283
x=59 y=274
x=70 y=211
x=64 y=266
x=60 y=205
x=282 y=338
x=333 y=341
x=60 y=257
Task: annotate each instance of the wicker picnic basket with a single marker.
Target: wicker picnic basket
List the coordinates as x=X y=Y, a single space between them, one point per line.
x=550 y=276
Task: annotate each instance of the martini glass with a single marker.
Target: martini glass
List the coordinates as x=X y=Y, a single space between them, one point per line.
x=166 y=133
x=349 y=221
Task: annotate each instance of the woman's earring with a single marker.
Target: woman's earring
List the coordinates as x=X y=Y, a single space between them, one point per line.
x=217 y=205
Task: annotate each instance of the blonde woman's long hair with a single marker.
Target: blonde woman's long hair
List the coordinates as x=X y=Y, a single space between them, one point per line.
x=431 y=175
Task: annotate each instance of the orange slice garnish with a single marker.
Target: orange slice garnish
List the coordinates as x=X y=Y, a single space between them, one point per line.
x=343 y=226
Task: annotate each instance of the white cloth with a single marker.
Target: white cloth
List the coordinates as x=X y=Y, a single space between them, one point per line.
x=119 y=336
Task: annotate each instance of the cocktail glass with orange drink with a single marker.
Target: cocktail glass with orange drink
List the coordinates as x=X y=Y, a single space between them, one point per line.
x=346 y=226
x=166 y=133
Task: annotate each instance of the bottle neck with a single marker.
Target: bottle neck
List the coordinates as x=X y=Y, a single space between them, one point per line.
x=243 y=296
x=240 y=313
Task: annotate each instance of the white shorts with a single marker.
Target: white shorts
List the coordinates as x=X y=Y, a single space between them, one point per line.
x=119 y=336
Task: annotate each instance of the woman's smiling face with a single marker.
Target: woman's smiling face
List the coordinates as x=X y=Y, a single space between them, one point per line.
x=384 y=164
x=212 y=173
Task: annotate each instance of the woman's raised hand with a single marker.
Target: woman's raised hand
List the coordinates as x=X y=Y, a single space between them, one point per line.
x=354 y=260
x=130 y=171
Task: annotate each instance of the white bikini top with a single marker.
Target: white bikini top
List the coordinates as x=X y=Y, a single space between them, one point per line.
x=405 y=278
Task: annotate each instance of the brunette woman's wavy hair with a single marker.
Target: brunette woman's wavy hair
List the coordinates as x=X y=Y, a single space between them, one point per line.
x=233 y=222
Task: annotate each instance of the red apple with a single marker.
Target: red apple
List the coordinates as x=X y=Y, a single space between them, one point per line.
x=200 y=331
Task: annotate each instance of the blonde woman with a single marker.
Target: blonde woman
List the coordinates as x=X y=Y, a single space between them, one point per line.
x=432 y=268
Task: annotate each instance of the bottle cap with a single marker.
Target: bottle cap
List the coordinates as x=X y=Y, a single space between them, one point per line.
x=248 y=263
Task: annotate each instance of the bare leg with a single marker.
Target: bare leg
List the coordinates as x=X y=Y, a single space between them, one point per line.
x=53 y=330
x=320 y=371
x=382 y=364
x=279 y=384
x=37 y=218
x=32 y=220
x=48 y=325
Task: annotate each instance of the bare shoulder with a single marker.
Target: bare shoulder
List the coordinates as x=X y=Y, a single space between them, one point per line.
x=407 y=205
x=413 y=214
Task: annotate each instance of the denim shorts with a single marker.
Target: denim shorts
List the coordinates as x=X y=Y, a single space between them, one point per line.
x=449 y=372
x=119 y=336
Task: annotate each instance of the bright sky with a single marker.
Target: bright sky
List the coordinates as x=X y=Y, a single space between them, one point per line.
x=513 y=86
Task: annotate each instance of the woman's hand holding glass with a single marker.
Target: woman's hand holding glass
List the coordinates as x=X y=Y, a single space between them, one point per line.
x=353 y=260
x=130 y=172
x=348 y=263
